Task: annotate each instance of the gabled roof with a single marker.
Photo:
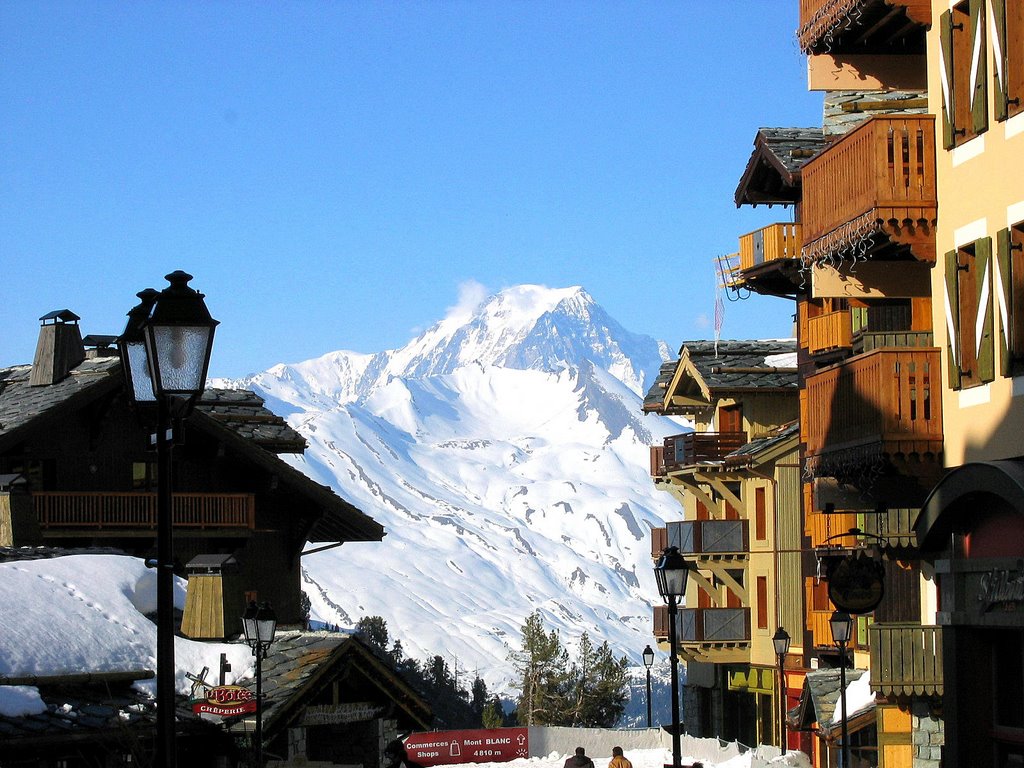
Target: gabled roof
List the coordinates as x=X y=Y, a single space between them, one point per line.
x=236 y=417
x=707 y=370
x=772 y=175
x=819 y=701
x=301 y=664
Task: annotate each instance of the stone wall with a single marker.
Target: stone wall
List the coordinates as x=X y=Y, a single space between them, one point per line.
x=928 y=736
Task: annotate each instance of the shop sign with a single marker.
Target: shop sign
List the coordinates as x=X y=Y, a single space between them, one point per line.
x=752 y=680
x=491 y=745
x=225 y=701
x=336 y=714
x=1001 y=588
x=856 y=583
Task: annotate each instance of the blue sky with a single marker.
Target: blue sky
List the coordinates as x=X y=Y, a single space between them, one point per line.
x=336 y=175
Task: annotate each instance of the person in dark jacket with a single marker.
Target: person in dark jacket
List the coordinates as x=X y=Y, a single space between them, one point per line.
x=580 y=760
x=395 y=756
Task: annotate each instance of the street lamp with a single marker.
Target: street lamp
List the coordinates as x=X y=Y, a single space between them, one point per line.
x=165 y=354
x=648 y=662
x=781 y=642
x=671 y=573
x=259 y=626
x=842 y=626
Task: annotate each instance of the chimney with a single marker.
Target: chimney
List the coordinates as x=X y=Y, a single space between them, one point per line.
x=100 y=346
x=214 y=601
x=59 y=348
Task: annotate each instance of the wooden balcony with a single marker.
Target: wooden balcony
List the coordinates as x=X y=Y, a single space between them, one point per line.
x=709 y=537
x=700 y=448
x=81 y=511
x=878 y=178
x=829 y=332
x=705 y=625
x=891 y=397
x=776 y=241
x=657 y=461
x=906 y=659
x=824 y=23
x=659 y=540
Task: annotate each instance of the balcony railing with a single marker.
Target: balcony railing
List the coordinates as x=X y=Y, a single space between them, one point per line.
x=705 y=625
x=906 y=659
x=776 y=241
x=892 y=396
x=829 y=332
x=705 y=537
x=882 y=171
x=74 y=510
x=700 y=448
x=657 y=461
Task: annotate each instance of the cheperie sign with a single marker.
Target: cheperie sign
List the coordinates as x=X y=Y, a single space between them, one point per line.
x=492 y=745
x=225 y=700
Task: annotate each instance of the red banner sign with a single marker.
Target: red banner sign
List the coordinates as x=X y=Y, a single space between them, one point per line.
x=225 y=700
x=493 y=745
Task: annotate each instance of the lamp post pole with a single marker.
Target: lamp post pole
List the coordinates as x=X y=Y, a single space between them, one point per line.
x=648 y=662
x=781 y=641
x=165 y=355
x=842 y=626
x=259 y=625
x=671 y=573
x=165 y=722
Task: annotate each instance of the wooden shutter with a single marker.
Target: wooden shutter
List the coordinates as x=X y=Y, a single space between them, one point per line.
x=760 y=514
x=979 y=68
x=1004 y=301
x=946 y=75
x=953 y=319
x=983 y=335
x=1000 y=59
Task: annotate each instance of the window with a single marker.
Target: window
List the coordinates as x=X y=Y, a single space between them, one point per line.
x=760 y=514
x=144 y=476
x=762 y=602
x=1009 y=281
x=1008 y=57
x=969 y=315
x=964 y=79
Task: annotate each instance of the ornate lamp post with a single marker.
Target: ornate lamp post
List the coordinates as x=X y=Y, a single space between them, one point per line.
x=165 y=353
x=671 y=573
x=842 y=627
x=648 y=662
x=259 y=626
x=781 y=642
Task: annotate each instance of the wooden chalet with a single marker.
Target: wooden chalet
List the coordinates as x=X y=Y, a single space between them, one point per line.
x=736 y=477
x=79 y=471
x=331 y=700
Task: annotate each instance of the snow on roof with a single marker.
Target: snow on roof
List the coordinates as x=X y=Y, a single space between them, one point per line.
x=88 y=613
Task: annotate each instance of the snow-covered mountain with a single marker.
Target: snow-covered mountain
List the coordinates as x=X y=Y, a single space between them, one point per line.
x=505 y=452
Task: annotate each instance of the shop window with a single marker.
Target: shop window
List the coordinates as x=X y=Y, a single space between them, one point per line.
x=969 y=315
x=964 y=80
x=1008 y=57
x=1010 y=298
x=1008 y=684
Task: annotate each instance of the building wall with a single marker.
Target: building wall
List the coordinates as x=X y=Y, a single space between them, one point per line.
x=980 y=191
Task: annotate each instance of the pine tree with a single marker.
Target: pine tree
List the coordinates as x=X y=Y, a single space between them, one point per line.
x=478 y=700
x=541 y=668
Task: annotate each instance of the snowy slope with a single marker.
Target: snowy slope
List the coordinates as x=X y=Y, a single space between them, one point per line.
x=505 y=452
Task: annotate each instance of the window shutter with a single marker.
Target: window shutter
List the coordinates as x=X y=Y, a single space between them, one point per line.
x=979 y=68
x=983 y=336
x=946 y=76
x=1004 y=301
x=952 y=320
x=1000 y=58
